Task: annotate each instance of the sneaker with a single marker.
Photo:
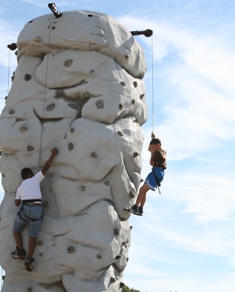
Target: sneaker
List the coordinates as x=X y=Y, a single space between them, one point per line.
x=140 y=211
x=28 y=264
x=18 y=254
x=134 y=210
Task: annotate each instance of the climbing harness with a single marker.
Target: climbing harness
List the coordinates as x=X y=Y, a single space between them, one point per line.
x=30 y=202
x=157 y=180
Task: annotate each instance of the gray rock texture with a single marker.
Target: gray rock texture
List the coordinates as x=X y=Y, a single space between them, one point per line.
x=78 y=87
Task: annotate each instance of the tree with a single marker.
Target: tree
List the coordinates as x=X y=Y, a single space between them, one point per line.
x=127 y=289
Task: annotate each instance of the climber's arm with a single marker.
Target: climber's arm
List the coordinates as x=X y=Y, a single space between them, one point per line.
x=48 y=163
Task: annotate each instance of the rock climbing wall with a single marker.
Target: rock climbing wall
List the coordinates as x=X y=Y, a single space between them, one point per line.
x=78 y=87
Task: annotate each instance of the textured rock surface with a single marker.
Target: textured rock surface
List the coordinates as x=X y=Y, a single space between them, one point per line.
x=78 y=86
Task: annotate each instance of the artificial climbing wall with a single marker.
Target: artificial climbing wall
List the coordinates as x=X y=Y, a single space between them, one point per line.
x=78 y=87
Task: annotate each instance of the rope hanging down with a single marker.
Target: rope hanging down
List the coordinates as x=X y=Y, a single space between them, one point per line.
x=148 y=33
x=153 y=118
x=11 y=47
x=57 y=14
x=44 y=95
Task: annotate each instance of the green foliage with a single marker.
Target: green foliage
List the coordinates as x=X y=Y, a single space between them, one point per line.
x=127 y=289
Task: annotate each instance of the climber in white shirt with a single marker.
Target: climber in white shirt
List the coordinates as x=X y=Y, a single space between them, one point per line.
x=29 y=194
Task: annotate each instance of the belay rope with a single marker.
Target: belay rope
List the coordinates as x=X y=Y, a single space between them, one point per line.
x=40 y=144
x=57 y=14
x=153 y=117
x=44 y=95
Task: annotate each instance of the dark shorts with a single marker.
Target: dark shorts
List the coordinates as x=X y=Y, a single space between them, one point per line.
x=33 y=212
x=150 y=179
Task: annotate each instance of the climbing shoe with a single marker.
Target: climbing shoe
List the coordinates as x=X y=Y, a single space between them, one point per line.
x=28 y=264
x=134 y=210
x=18 y=254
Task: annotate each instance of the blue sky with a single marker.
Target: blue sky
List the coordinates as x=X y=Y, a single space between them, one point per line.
x=185 y=241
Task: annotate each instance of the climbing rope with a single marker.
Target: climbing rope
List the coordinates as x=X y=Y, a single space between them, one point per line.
x=45 y=90
x=153 y=118
x=9 y=64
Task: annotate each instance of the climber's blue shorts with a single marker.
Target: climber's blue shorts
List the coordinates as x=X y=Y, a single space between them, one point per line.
x=33 y=212
x=150 y=179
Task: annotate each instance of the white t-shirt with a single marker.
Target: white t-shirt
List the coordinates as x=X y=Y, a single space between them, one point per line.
x=30 y=188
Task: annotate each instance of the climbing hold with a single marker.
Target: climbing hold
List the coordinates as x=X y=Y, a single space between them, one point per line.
x=121 y=285
x=107 y=183
x=133 y=101
x=73 y=105
x=135 y=84
x=142 y=96
x=91 y=71
x=131 y=227
x=68 y=63
x=30 y=21
x=39 y=243
x=70 y=249
x=136 y=121
x=50 y=107
x=23 y=130
x=89 y=15
x=123 y=83
x=11 y=112
x=117 y=257
x=70 y=146
x=13 y=77
x=82 y=188
x=112 y=280
x=71 y=130
x=27 y=77
x=30 y=289
x=120 y=106
x=99 y=256
x=53 y=27
x=99 y=104
x=94 y=155
x=127 y=259
x=135 y=154
x=116 y=232
x=38 y=40
x=119 y=133
x=126 y=57
x=46 y=204
x=131 y=194
x=30 y=148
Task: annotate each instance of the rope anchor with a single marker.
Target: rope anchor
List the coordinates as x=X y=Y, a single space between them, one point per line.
x=54 y=9
x=147 y=32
